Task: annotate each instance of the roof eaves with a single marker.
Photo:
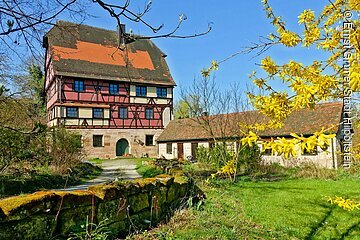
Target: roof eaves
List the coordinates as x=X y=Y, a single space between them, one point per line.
x=93 y=76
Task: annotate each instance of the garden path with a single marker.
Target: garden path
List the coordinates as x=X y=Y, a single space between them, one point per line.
x=122 y=169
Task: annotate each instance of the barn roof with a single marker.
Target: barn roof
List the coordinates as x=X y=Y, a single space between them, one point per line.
x=78 y=50
x=304 y=121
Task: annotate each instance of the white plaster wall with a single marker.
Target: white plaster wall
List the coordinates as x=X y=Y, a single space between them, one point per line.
x=203 y=144
x=163 y=152
x=132 y=90
x=85 y=112
x=161 y=101
x=169 y=93
x=166 y=116
x=151 y=92
x=142 y=100
x=187 y=150
x=145 y=100
x=186 y=146
x=322 y=159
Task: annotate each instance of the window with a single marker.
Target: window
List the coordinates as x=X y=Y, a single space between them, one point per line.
x=72 y=112
x=149 y=140
x=267 y=152
x=161 y=92
x=309 y=153
x=113 y=88
x=141 y=91
x=149 y=113
x=98 y=113
x=123 y=112
x=79 y=86
x=97 y=140
x=169 y=148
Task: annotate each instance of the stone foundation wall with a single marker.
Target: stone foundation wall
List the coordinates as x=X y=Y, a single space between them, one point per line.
x=135 y=138
x=124 y=206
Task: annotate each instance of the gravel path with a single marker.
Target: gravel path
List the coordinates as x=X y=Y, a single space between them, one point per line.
x=112 y=169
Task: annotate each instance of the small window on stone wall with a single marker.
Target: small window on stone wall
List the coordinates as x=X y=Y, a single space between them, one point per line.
x=310 y=153
x=169 y=148
x=149 y=140
x=98 y=141
x=267 y=152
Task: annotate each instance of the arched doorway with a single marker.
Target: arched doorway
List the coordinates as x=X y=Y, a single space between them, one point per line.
x=122 y=147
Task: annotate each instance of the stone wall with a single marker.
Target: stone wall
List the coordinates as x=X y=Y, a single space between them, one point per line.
x=124 y=206
x=135 y=138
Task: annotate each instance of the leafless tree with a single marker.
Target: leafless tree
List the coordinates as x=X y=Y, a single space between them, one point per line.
x=23 y=22
x=220 y=113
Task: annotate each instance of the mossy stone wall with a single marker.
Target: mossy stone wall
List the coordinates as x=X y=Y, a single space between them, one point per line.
x=124 y=206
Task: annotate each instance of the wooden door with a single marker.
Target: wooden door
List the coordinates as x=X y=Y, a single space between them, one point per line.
x=180 y=147
x=122 y=147
x=194 y=147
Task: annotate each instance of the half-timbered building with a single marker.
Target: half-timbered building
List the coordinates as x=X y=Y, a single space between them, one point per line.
x=118 y=98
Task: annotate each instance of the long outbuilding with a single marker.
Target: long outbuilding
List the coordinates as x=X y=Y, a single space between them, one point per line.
x=182 y=137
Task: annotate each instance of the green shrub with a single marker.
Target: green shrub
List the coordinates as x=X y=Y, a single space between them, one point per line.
x=40 y=149
x=65 y=149
x=248 y=158
x=19 y=151
x=217 y=156
x=148 y=171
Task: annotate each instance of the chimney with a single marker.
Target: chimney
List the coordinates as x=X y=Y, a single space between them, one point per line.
x=121 y=35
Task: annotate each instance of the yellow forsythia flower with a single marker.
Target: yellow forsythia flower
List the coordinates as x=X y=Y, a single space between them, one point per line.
x=355 y=76
x=311 y=35
x=269 y=65
x=354 y=5
x=306 y=16
x=250 y=139
x=289 y=39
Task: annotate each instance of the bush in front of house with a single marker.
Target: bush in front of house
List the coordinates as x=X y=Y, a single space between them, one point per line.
x=42 y=150
x=247 y=159
x=65 y=149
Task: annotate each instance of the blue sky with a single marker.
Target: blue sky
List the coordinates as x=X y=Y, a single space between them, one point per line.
x=236 y=24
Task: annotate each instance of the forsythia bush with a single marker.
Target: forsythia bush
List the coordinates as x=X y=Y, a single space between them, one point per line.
x=229 y=170
x=321 y=80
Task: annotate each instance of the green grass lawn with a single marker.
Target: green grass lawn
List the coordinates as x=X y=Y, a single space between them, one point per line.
x=287 y=209
x=146 y=170
x=142 y=168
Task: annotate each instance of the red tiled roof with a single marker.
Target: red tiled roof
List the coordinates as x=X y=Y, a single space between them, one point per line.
x=89 y=52
x=303 y=121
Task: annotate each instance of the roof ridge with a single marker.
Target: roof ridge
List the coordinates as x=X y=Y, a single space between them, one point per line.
x=257 y=111
x=89 y=26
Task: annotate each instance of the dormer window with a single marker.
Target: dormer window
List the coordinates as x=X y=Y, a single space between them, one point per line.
x=141 y=91
x=79 y=86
